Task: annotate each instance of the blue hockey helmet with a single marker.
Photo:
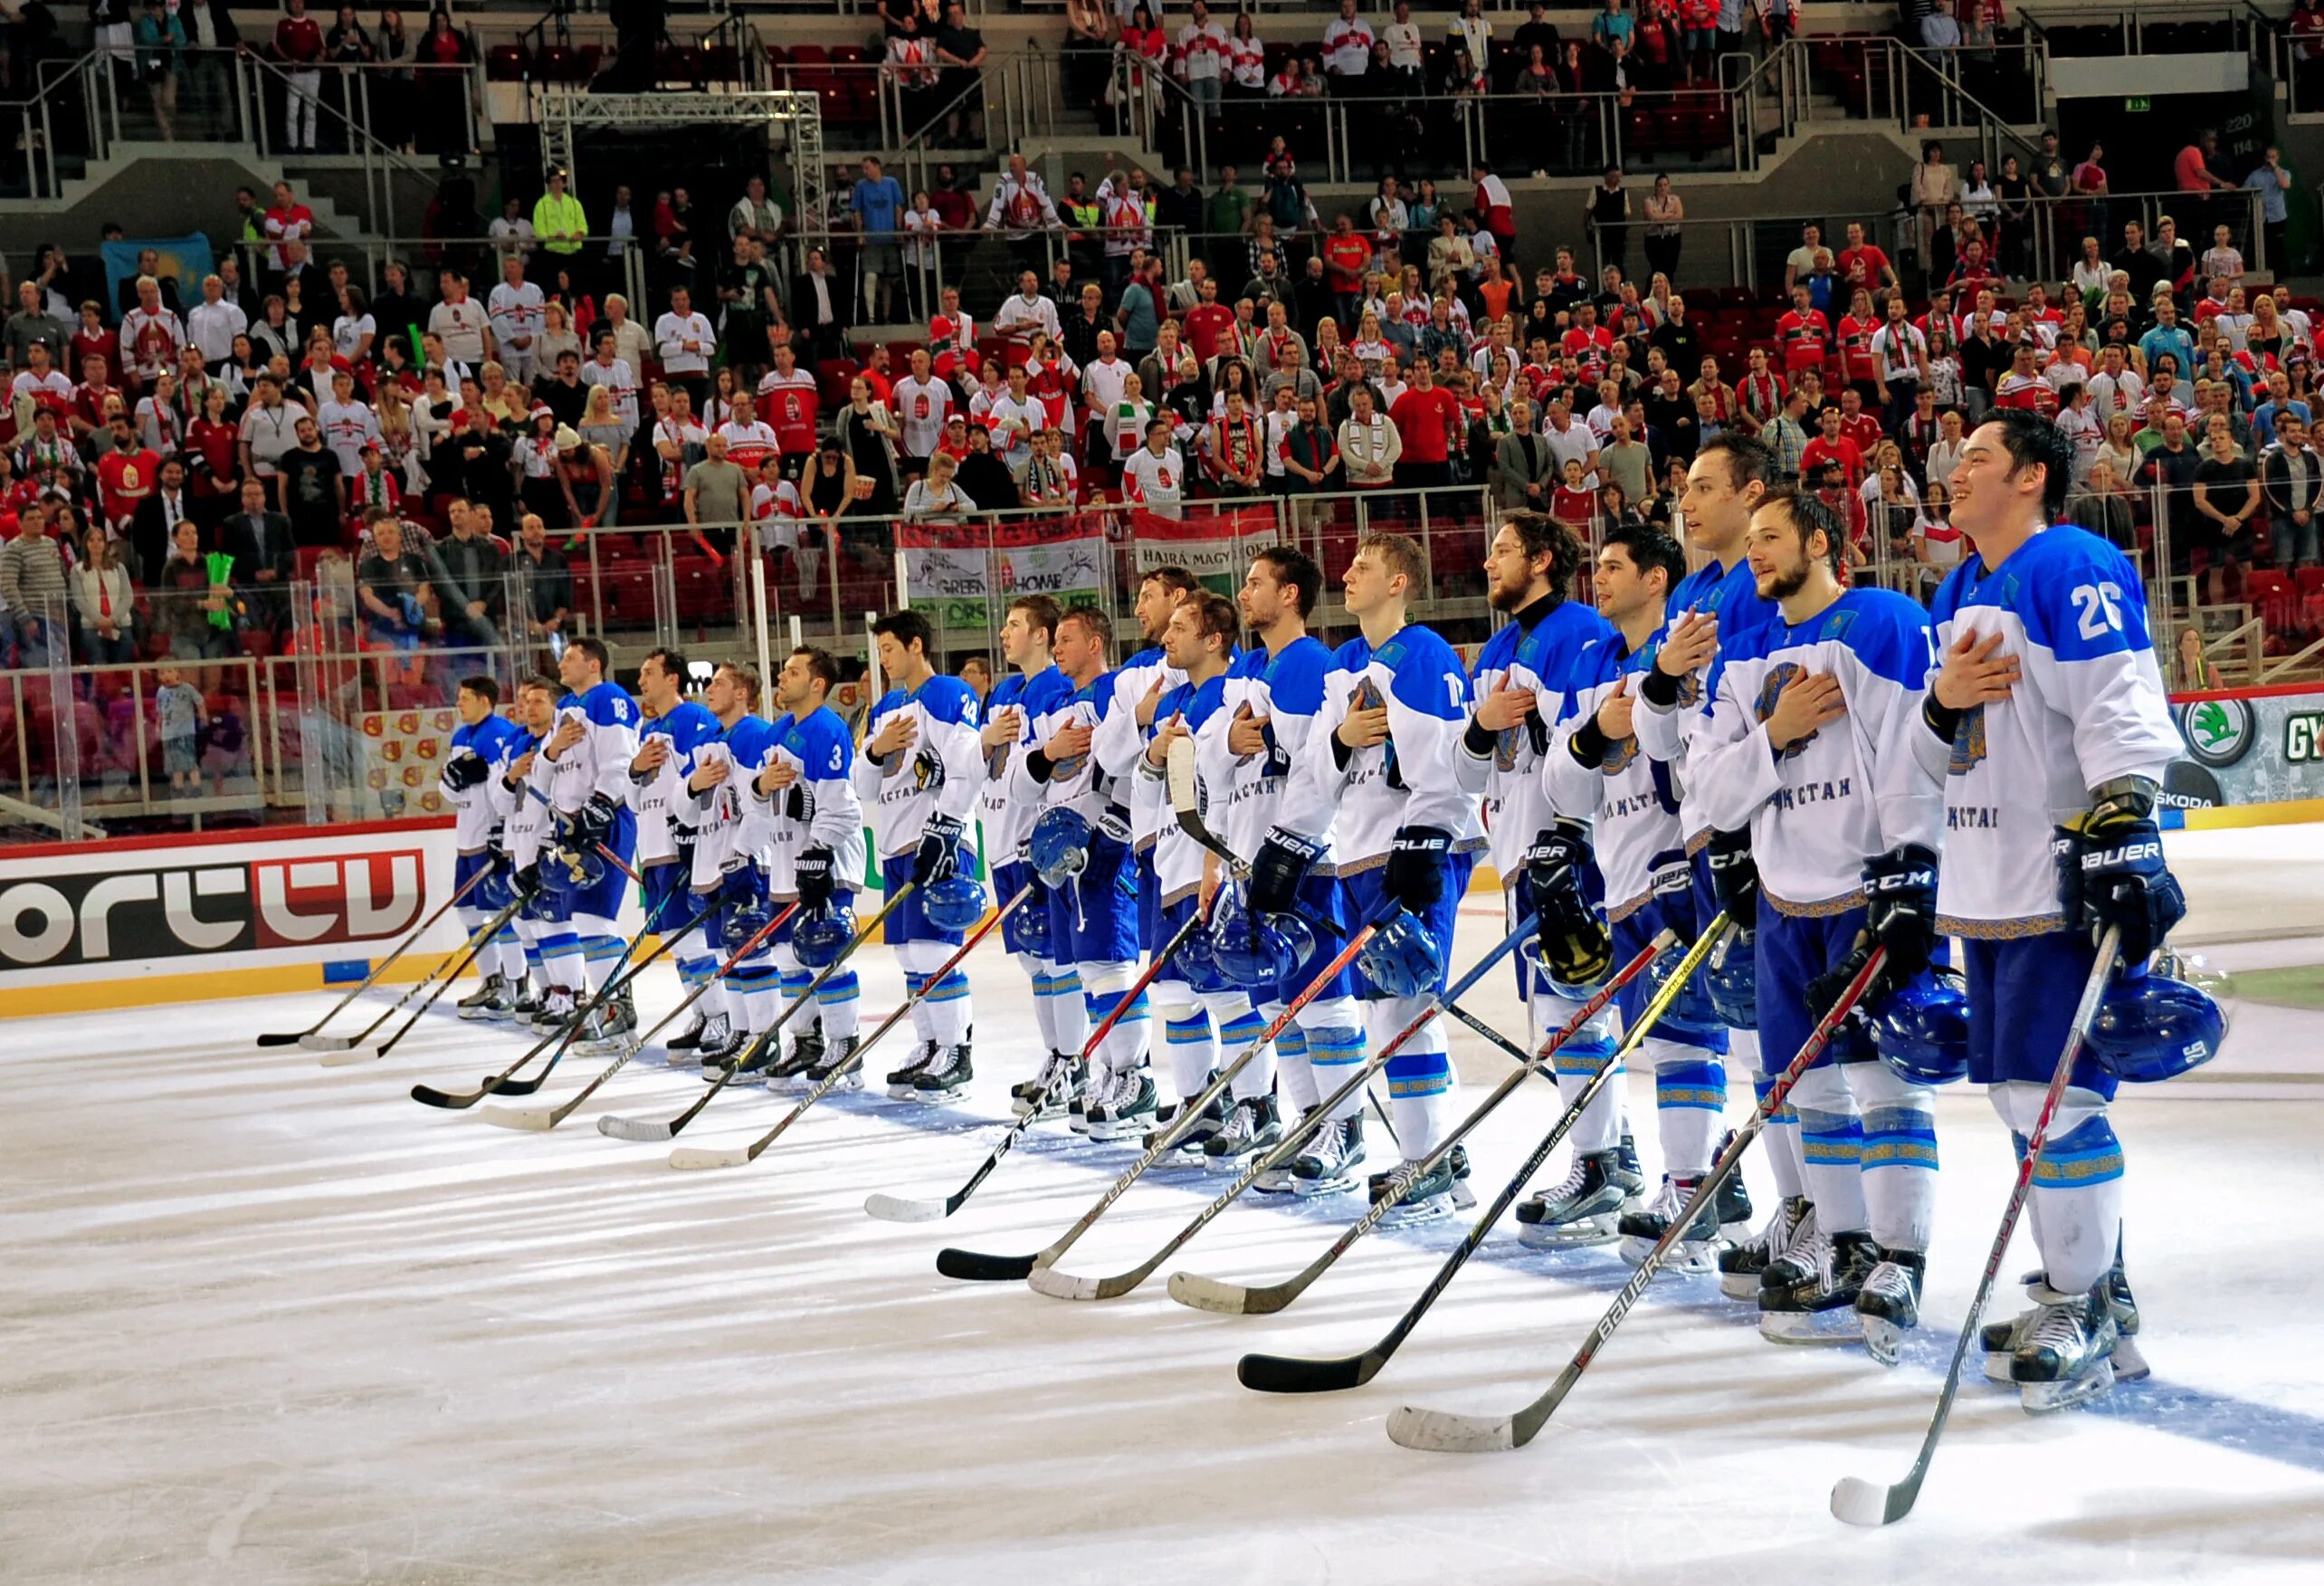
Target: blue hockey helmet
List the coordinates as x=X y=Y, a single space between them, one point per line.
x=1029 y=926
x=954 y=903
x=497 y=889
x=820 y=934
x=571 y=867
x=1058 y=847
x=1921 y=1030
x=1690 y=1014
x=1734 y=976
x=1400 y=959
x=744 y=918
x=2152 y=1026
x=1255 y=950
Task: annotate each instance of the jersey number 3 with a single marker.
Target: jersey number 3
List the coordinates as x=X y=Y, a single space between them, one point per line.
x=2098 y=604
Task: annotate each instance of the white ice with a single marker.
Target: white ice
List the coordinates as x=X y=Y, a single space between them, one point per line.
x=263 y=1322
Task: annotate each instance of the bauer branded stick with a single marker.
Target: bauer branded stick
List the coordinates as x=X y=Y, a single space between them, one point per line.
x=504 y=1085
x=550 y=1117
x=1232 y=1299
x=1866 y=1503
x=342 y=1051
x=647 y=1129
x=736 y=1156
x=1062 y=1286
x=900 y=1209
x=1441 y=1431
x=304 y=1037
x=1284 y=1374
x=977 y=1266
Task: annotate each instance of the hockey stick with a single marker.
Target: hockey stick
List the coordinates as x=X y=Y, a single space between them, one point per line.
x=550 y=1117
x=1442 y=1431
x=1270 y=1374
x=342 y=1051
x=647 y=1129
x=504 y=1085
x=1865 y=1503
x=1058 y=1284
x=976 y=1267
x=1232 y=1299
x=729 y=1156
x=901 y=1209
x=303 y=1038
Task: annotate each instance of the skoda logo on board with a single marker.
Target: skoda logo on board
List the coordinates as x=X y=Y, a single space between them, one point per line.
x=2218 y=733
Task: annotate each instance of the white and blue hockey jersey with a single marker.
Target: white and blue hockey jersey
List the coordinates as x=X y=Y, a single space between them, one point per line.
x=1076 y=781
x=940 y=774
x=1007 y=818
x=600 y=762
x=1177 y=857
x=1732 y=596
x=662 y=799
x=520 y=801
x=1285 y=690
x=1405 y=781
x=473 y=814
x=1120 y=740
x=818 y=810
x=1627 y=795
x=731 y=825
x=1541 y=657
x=1851 y=789
x=2089 y=706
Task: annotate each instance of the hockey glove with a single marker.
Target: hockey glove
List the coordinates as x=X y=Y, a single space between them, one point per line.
x=813 y=875
x=593 y=823
x=465 y=770
x=1416 y=859
x=1734 y=877
x=1671 y=878
x=526 y=880
x=1900 y=908
x=2120 y=878
x=1283 y=862
x=1827 y=987
x=1575 y=943
x=938 y=858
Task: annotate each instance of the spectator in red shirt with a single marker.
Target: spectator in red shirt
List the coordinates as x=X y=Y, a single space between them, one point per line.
x=1209 y=324
x=298 y=45
x=1863 y=263
x=96 y=339
x=1833 y=445
x=1573 y=501
x=1857 y=424
x=1804 y=334
x=1858 y=368
x=1346 y=254
x=1428 y=419
x=126 y=475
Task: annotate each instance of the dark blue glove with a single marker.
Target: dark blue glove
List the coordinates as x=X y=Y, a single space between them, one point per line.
x=1283 y=862
x=1417 y=856
x=938 y=858
x=1671 y=879
x=1574 y=940
x=1900 y=908
x=465 y=770
x=593 y=823
x=813 y=875
x=2112 y=873
x=1734 y=877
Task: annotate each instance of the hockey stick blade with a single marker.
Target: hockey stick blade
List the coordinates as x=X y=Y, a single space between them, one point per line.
x=1271 y=1373
x=312 y=1043
x=710 y=1156
x=898 y=1208
x=427 y=1096
x=1060 y=1285
x=1870 y=1504
x=345 y=1057
x=1438 y=1431
x=976 y=1267
x=534 y=1118
x=645 y=1130
x=1217 y=1296
x=283 y=1038
x=525 y=1087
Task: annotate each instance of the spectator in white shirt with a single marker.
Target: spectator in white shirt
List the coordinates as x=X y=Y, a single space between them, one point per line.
x=516 y=313
x=212 y=324
x=512 y=233
x=1028 y=311
x=1201 y=52
x=1346 y=50
x=461 y=323
x=684 y=341
x=610 y=369
x=1402 y=38
x=1154 y=476
x=348 y=424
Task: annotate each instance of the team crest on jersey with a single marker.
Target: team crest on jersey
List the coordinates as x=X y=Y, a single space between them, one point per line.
x=1620 y=752
x=1780 y=676
x=996 y=761
x=1367 y=696
x=1969 y=743
x=1505 y=744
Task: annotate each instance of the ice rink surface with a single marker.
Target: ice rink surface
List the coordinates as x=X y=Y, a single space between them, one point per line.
x=263 y=1322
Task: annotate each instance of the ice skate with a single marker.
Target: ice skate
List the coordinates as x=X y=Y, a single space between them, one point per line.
x=1581 y=1211
x=1810 y=1296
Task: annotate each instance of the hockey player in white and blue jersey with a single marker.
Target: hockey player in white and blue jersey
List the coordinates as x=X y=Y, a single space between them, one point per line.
x=674 y=726
x=732 y=836
x=1030 y=692
x=918 y=777
x=1274 y=696
x=1808 y=745
x=1138 y=685
x=1596 y=771
x=805 y=791
x=1376 y=778
x=1079 y=846
x=521 y=803
x=478 y=744
x=2049 y=732
x=1195 y=997
x=1520 y=673
x=1719 y=605
x=589 y=757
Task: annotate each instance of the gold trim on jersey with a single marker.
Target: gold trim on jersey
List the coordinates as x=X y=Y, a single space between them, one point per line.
x=1616 y=913
x=1349 y=867
x=1827 y=908
x=1699 y=842
x=2000 y=929
x=1179 y=894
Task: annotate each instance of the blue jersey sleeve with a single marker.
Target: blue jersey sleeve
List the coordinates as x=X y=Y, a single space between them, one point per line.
x=1295 y=680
